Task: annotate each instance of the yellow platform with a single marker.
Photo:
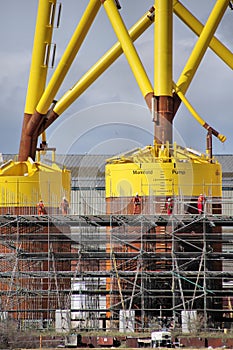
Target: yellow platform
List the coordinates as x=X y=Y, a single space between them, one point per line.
x=163 y=170
x=23 y=184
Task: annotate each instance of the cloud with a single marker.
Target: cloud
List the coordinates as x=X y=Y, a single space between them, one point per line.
x=210 y=91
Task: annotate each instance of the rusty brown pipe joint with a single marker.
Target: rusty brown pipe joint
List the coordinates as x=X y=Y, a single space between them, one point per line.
x=50 y=117
x=209 y=145
x=35 y=129
x=221 y=137
x=151 y=15
x=34 y=123
x=210 y=129
x=29 y=135
x=42 y=127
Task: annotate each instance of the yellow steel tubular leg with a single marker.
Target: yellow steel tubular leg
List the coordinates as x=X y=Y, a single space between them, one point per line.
x=163 y=48
x=163 y=71
x=192 y=22
x=128 y=47
x=42 y=40
x=38 y=71
x=202 y=45
x=194 y=113
x=69 y=55
x=102 y=64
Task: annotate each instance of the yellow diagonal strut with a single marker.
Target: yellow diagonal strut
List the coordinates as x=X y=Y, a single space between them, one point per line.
x=68 y=56
x=129 y=49
x=102 y=65
x=202 y=45
x=196 y=26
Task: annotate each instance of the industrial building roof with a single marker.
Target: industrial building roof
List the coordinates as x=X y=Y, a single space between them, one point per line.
x=80 y=165
x=92 y=165
x=226 y=160
x=88 y=165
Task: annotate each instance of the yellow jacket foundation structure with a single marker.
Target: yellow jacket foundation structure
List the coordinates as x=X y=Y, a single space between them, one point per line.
x=26 y=182
x=22 y=186
x=161 y=171
x=168 y=180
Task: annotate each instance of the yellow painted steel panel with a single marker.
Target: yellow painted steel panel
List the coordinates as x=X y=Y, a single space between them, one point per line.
x=161 y=177
x=23 y=184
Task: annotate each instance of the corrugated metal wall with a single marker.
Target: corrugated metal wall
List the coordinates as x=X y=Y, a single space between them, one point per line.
x=227 y=202
x=88 y=201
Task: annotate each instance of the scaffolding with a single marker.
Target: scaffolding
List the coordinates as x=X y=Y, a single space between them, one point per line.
x=116 y=272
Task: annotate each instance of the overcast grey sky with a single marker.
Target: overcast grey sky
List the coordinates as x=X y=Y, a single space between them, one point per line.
x=111 y=115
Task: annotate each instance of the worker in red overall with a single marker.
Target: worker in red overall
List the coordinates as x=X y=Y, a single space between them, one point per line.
x=201 y=203
x=137 y=204
x=169 y=205
x=40 y=208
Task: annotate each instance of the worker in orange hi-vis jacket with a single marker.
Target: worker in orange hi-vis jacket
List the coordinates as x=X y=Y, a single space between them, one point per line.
x=201 y=203
x=40 y=208
x=137 y=204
